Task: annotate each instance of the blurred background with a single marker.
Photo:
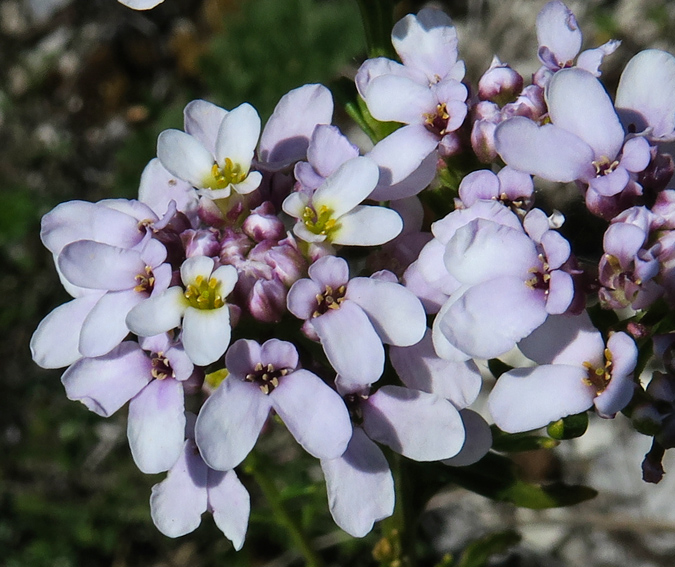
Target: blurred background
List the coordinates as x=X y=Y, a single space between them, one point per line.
x=85 y=87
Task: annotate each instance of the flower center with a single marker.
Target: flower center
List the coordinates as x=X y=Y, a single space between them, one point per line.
x=600 y=377
x=329 y=299
x=266 y=377
x=146 y=281
x=204 y=293
x=321 y=222
x=603 y=166
x=222 y=177
x=353 y=403
x=161 y=367
x=437 y=122
x=540 y=276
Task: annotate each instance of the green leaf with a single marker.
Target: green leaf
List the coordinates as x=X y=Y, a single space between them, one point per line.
x=479 y=552
x=378 y=20
x=569 y=427
x=496 y=477
x=517 y=442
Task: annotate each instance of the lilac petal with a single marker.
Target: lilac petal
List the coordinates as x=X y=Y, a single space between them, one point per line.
x=105 y=326
x=392 y=98
x=379 y=66
x=621 y=387
x=560 y=292
x=482 y=250
x=557 y=29
x=367 y=225
x=314 y=414
x=80 y=220
x=401 y=153
x=564 y=339
x=156 y=425
x=202 y=122
x=94 y=265
x=427 y=42
x=185 y=157
x=547 y=151
x=529 y=398
x=158 y=314
x=158 y=188
x=623 y=240
x=478 y=440
x=578 y=103
x=351 y=344
x=287 y=133
x=301 y=298
x=443 y=347
x=481 y=184
x=591 y=59
x=416 y=182
x=515 y=183
x=229 y=423
x=308 y=178
x=494 y=211
x=206 y=334
x=420 y=426
x=330 y=271
x=556 y=247
x=181 y=365
x=329 y=149
x=360 y=486
x=646 y=88
x=141 y=5
x=178 y=502
x=469 y=323
x=636 y=155
x=54 y=343
x=230 y=504
x=238 y=136
x=610 y=184
x=420 y=368
x=280 y=354
x=432 y=268
x=242 y=357
x=432 y=299
x=106 y=383
x=347 y=187
x=396 y=314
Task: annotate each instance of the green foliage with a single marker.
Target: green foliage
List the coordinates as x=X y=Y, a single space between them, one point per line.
x=569 y=427
x=479 y=552
x=518 y=442
x=377 y=18
x=295 y=42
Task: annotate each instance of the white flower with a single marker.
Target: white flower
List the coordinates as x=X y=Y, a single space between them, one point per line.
x=200 y=308
x=333 y=212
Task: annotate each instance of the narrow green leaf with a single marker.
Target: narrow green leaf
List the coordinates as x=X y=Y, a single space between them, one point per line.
x=517 y=442
x=378 y=19
x=479 y=552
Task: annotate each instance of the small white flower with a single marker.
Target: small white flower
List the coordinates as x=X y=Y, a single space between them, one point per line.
x=200 y=308
x=333 y=212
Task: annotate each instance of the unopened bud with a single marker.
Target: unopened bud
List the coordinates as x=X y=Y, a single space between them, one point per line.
x=500 y=83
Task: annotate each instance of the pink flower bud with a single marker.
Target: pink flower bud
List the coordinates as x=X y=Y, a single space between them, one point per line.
x=267 y=300
x=263 y=224
x=483 y=140
x=234 y=246
x=202 y=242
x=500 y=83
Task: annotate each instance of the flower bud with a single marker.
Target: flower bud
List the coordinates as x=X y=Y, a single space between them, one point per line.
x=483 y=140
x=263 y=224
x=202 y=242
x=267 y=300
x=500 y=83
x=234 y=246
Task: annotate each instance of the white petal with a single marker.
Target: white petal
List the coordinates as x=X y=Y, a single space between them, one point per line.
x=202 y=121
x=206 y=334
x=347 y=187
x=158 y=314
x=185 y=157
x=231 y=505
x=367 y=226
x=238 y=136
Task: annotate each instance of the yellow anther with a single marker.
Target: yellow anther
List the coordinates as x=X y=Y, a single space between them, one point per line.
x=204 y=293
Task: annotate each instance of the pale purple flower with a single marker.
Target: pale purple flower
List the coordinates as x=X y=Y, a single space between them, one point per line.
x=559 y=40
x=150 y=375
x=333 y=213
x=262 y=378
x=511 y=187
x=644 y=96
x=512 y=275
x=192 y=488
x=424 y=92
x=577 y=372
x=200 y=309
x=584 y=141
x=215 y=152
x=352 y=318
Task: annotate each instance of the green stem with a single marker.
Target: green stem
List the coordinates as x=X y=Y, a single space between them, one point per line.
x=254 y=467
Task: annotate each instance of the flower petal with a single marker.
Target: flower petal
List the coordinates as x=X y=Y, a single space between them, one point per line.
x=478 y=440
x=367 y=225
x=238 y=136
x=158 y=314
x=347 y=187
x=202 y=122
x=558 y=30
x=420 y=426
x=106 y=383
x=360 y=486
x=156 y=425
x=229 y=423
x=314 y=414
x=529 y=398
x=206 y=334
x=392 y=98
x=230 y=504
x=184 y=156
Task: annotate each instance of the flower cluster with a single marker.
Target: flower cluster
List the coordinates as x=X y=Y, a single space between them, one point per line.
x=288 y=230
